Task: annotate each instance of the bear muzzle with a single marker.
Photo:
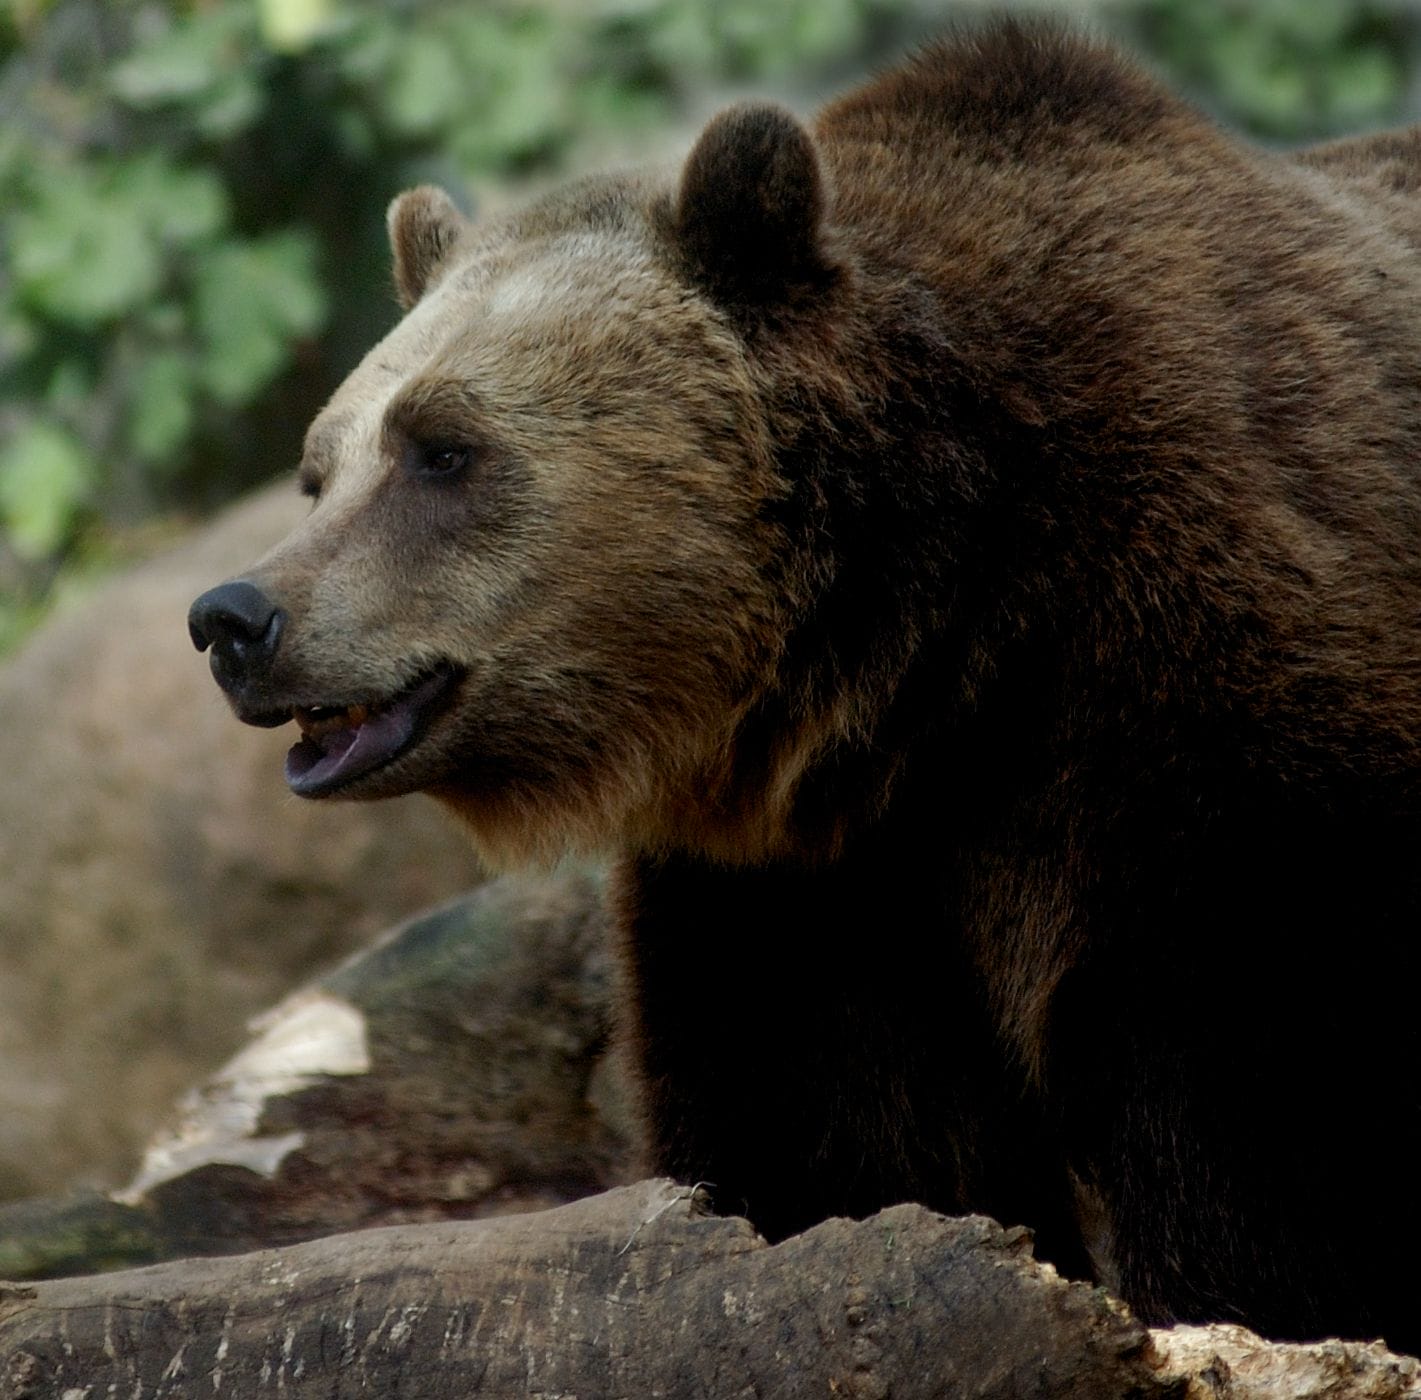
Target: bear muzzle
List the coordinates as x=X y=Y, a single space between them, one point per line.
x=242 y=627
x=340 y=740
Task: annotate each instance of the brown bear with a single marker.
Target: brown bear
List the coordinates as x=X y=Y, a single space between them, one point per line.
x=965 y=557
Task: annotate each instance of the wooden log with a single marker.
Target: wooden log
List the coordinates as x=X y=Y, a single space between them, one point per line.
x=632 y=1293
x=460 y=1068
x=635 y=1293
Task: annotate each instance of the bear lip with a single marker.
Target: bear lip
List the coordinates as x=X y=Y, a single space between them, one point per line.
x=340 y=743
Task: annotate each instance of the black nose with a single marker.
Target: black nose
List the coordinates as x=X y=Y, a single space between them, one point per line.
x=241 y=625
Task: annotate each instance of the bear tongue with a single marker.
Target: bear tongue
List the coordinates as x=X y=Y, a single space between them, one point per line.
x=333 y=755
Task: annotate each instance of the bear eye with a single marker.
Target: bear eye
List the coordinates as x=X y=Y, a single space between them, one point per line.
x=441 y=458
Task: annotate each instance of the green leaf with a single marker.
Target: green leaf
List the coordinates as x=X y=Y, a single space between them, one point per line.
x=683 y=39
x=288 y=26
x=185 y=61
x=426 y=85
x=251 y=301
x=81 y=252
x=161 y=408
x=19 y=336
x=514 y=98
x=88 y=245
x=45 y=477
x=822 y=28
x=206 y=63
x=234 y=105
x=181 y=205
x=605 y=101
x=1365 y=85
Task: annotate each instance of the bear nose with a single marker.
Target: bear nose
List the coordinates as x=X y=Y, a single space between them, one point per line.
x=241 y=625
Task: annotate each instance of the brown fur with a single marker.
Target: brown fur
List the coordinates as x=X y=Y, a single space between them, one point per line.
x=965 y=558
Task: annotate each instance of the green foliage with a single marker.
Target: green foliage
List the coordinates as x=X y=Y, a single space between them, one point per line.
x=45 y=472
x=1284 y=69
x=195 y=248
x=195 y=189
x=251 y=300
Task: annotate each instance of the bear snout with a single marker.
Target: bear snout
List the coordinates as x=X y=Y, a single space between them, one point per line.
x=243 y=628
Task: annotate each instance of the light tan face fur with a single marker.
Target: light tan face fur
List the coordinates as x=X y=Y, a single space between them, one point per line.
x=595 y=571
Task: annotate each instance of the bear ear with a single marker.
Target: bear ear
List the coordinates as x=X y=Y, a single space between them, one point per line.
x=749 y=211
x=424 y=225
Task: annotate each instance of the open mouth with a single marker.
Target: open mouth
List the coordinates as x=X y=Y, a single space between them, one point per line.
x=341 y=743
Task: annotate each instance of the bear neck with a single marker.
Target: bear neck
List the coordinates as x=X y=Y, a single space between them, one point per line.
x=991 y=592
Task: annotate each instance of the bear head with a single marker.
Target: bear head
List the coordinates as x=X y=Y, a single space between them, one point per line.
x=542 y=577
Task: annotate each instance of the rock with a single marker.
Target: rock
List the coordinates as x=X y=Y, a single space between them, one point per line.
x=160 y=883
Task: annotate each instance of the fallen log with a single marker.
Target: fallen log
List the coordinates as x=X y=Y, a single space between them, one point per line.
x=636 y=1293
x=459 y=1068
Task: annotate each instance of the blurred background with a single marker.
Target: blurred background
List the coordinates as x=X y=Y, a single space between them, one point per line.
x=192 y=251
x=192 y=255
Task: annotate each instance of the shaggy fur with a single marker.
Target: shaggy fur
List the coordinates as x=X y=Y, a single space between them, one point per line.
x=966 y=557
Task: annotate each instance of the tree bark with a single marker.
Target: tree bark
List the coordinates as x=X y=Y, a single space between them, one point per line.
x=635 y=1293
x=631 y=1293
x=460 y=1068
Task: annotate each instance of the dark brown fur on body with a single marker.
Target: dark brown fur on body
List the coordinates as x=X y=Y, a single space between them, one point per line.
x=968 y=559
